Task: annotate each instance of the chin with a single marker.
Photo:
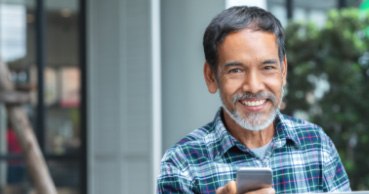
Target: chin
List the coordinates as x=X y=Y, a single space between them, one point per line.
x=252 y=121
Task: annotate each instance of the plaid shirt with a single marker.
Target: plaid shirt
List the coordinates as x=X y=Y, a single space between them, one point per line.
x=301 y=155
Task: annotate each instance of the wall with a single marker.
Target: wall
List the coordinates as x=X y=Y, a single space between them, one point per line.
x=122 y=148
x=186 y=101
x=119 y=97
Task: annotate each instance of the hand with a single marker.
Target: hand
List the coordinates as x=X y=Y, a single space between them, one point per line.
x=231 y=188
x=266 y=190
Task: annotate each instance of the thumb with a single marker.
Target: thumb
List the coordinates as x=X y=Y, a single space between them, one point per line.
x=229 y=188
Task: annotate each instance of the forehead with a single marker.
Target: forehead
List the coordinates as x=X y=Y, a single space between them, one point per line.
x=248 y=42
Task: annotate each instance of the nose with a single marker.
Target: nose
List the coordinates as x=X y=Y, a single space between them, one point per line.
x=253 y=82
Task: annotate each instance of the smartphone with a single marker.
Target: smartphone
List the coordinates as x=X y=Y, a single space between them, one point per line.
x=253 y=178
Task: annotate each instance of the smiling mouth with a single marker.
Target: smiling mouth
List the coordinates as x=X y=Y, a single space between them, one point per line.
x=252 y=103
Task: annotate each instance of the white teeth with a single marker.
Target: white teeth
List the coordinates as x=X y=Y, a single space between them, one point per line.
x=253 y=103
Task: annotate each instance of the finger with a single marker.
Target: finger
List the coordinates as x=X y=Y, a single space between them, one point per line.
x=268 y=190
x=220 y=190
x=229 y=188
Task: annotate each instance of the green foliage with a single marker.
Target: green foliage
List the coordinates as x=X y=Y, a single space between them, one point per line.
x=328 y=83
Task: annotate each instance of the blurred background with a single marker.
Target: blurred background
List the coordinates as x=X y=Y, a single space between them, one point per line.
x=115 y=83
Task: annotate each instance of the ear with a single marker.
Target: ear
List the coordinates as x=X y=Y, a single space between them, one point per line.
x=210 y=78
x=284 y=70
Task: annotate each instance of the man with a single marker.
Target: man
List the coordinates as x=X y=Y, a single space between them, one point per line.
x=246 y=63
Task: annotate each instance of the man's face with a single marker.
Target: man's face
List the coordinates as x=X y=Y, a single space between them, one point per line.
x=250 y=79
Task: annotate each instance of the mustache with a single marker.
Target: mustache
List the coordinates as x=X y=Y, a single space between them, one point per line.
x=260 y=95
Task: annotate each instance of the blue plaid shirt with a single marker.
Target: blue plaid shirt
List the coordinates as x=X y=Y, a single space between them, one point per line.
x=301 y=155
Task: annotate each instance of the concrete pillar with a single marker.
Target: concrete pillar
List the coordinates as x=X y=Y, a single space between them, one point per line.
x=120 y=96
x=186 y=102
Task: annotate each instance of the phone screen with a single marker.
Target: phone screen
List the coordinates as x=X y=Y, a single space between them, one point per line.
x=253 y=178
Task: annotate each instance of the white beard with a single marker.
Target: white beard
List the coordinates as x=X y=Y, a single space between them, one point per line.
x=255 y=121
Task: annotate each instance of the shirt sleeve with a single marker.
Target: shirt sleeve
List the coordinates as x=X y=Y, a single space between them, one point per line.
x=334 y=175
x=173 y=178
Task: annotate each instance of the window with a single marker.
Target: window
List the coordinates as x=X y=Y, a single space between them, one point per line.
x=57 y=116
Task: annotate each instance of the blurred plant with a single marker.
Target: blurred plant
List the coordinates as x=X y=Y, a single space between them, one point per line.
x=328 y=83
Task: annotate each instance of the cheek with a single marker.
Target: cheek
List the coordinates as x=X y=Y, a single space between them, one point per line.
x=228 y=91
x=275 y=82
x=230 y=86
x=276 y=88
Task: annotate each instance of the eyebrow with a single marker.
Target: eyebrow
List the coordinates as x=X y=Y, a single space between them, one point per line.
x=232 y=64
x=266 y=62
x=270 y=61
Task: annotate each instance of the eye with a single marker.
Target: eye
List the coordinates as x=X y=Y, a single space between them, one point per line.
x=269 y=67
x=235 y=70
x=270 y=64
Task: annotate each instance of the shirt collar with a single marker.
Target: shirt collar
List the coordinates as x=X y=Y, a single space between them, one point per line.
x=221 y=140
x=285 y=131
